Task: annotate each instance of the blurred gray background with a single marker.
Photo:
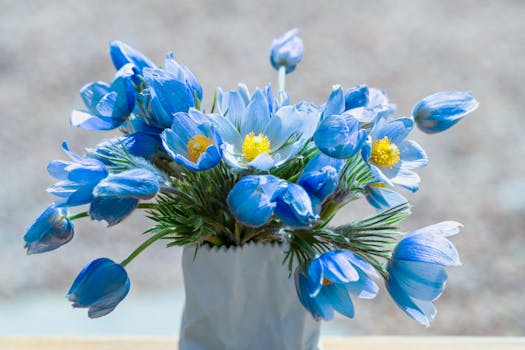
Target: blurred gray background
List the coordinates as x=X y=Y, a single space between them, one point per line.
x=49 y=49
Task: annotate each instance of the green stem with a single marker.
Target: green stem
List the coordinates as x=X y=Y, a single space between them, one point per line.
x=144 y=245
x=78 y=215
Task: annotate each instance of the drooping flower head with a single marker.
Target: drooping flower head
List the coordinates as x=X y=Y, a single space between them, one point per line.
x=320 y=178
x=330 y=279
x=77 y=178
x=112 y=197
x=438 y=112
x=391 y=157
x=287 y=50
x=50 y=230
x=100 y=287
x=368 y=104
x=108 y=105
x=117 y=195
x=170 y=90
x=252 y=199
x=417 y=269
x=193 y=141
x=339 y=134
x=294 y=207
x=255 y=136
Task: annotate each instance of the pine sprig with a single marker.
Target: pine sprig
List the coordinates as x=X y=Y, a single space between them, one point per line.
x=374 y=237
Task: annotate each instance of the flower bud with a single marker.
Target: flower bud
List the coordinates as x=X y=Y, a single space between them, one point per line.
x=287 y=50
x=438 y=112
x=100 y=286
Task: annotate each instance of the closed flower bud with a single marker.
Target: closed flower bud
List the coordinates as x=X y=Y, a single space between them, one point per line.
x=438 y=112
x=100 y=286
x=287 y=50
x=50 y=230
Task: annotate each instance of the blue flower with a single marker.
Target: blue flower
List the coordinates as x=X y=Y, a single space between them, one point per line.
x=381 y=197
x=329 y=281
x=108 y=106
x=50 y=230
x=439 y=111
x=78 y=178
x=390 y=157
x=100 y=286
x=252 y=199
x=170 y=90
x=287 y=50
x=255 y=137
x=320 y=178
x=193 y=141
x=183 y=73
x=122 y=54
x=117 y=195
x=338 y=134
x=294 y=207
x=368 y=104
x=417 y=269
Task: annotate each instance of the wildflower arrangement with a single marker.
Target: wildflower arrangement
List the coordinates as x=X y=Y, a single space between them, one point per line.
x=255 y=167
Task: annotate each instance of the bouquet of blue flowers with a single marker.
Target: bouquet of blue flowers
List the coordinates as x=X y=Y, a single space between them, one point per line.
x=255 y=167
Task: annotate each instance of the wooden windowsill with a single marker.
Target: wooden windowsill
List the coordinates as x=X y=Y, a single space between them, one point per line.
x=328 y=343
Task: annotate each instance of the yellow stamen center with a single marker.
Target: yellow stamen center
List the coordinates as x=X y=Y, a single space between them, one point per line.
x=253 y=145
x=385 y=153
x=326 y=281
x=197 y=145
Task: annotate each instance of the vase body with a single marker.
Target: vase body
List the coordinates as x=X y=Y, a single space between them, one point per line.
x=242 y=298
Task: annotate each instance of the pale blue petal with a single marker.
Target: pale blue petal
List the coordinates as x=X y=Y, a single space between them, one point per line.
x=264 y=161
x=337 y=268
x=420 y=280
x=396 y=130
x=406 y=304
x=229 y=133
x=412 y=155
x=111 y=209
x=315 y=277
x=89 y=121
x=335 y=105
x=257 y=115
x=340 y=299
x=406 y=179
x=444 y=228
x=134 y=183
x=383 y=198
x=427 y=247
x=92 y=93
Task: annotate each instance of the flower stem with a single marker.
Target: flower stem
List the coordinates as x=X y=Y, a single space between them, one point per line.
x=78 y=215
x=281 y=83
x=146 y=244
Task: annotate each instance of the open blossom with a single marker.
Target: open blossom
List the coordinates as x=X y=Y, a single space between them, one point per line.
x=391 y=157
x=255 y=136
x=193 y=141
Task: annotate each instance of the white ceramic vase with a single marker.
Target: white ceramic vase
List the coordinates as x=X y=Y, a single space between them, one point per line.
x=241 y=298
